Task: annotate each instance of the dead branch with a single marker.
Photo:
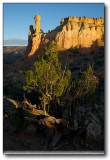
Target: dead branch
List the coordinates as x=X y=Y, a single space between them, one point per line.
x=14 y=102
x=38 y=112
x=26 y=102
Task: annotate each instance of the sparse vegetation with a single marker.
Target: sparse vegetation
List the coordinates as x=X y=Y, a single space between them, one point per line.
x=47 y=76
x=47 y=84
x=87 y=82
x=53 y=91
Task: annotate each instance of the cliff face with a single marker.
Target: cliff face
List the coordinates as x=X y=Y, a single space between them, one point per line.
x=73 y=32
x=78 y=32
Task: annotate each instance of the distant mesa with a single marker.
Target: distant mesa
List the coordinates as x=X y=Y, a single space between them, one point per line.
x=73 y=32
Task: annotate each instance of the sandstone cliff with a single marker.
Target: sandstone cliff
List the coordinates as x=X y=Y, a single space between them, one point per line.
x=73 y=32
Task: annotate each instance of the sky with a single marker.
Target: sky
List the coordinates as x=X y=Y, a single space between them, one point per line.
x=18 y=16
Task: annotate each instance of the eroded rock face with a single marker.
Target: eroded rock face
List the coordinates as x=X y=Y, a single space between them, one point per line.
x=79 y=32
x=37 y=23
x=35 y=43
x=73 y=32
x=34 y=36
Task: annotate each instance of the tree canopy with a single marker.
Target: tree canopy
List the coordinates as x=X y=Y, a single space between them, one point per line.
x=47 y=76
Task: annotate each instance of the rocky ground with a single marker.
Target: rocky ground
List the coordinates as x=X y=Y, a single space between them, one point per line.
x=31 y=138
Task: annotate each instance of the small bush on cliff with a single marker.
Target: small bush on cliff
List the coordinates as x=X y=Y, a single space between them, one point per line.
x=47 y=76
x=86 y=84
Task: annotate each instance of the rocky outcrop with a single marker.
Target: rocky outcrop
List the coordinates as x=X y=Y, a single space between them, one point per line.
x=37 y=23
x=35 y=44
x=34 y=36
x=83 y=119
x=78 y=32
x=73 y=32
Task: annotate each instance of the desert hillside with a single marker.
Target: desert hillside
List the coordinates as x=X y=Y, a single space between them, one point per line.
x=54 y=88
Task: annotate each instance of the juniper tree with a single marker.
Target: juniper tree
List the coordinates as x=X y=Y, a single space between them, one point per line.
x=47 y=77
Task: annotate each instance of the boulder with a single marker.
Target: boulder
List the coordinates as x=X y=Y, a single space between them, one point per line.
x=83 y=119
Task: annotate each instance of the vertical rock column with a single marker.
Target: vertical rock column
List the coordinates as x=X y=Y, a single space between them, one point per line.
x=37 y=23
x=36 y=39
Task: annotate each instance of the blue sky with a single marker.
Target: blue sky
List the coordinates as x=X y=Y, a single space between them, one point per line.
x=18 y=16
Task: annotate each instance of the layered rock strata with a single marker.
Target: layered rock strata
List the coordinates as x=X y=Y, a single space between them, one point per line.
x=73 y=32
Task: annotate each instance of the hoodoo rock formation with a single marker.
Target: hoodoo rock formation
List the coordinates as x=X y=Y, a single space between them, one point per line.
x=34 y=37
x=73 y=32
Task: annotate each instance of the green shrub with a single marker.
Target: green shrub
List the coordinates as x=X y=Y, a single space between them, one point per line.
x=86 y=84
x=47 y=76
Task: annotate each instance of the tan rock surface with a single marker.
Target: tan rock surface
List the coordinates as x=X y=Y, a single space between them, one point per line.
x=79 y=32
x=37 y=23
x=35 y=44
x=73 y=32
x=35 y=37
